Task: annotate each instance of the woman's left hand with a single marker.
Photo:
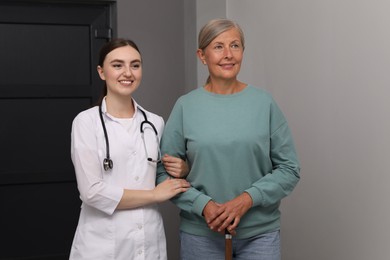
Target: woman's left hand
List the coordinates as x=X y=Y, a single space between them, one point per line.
x=229 y=214
x=176 y=167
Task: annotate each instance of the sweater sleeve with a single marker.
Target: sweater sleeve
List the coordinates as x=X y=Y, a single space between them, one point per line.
x=284 y=176
x=173 y=143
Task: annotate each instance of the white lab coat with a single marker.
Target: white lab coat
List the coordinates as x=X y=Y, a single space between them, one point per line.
x=103 y=232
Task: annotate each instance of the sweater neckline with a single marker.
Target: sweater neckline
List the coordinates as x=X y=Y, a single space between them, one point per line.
x=226 y=95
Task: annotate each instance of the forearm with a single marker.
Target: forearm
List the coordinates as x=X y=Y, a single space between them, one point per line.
x=273 y=187
x=284 y=174
x=192 y=201
x=136 y=198
x=162 y=192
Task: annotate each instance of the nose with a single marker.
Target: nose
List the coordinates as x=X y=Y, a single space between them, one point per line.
x=127 y=71
x=227 y=53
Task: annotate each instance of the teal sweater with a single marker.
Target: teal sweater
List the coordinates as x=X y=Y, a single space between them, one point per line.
x=234 y=143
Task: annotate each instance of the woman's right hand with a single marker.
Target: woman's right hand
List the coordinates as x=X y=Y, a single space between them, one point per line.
x=175 y=166
x=170 y=188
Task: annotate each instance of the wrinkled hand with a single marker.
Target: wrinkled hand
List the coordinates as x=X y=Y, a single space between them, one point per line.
x=210 y=212
x=176 y=167
x=227 y=215
x=169 y=188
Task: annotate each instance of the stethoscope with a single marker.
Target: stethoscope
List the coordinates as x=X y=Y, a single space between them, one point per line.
x=107 y=162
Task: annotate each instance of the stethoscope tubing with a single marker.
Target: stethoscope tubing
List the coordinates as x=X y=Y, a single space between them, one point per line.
x=107 y=162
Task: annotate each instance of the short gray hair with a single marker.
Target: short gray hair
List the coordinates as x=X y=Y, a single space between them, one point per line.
x=214 y=28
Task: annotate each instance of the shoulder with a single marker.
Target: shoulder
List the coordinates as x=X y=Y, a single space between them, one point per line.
x=152 y=117
x=193 y=94
x=261 y=97
x=268 y=101
x=156 y=120
x=85 y=122
x=87 y=115
x=194 y=98
x=258 y=92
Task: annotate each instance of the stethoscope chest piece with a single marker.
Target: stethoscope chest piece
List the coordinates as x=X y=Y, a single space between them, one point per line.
x=108 y=164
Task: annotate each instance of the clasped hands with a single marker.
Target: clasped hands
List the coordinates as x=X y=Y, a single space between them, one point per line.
x=227 y=215
x=218 y=216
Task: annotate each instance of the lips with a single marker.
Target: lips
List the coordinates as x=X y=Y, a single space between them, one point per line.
x=227 y=66
x=126 y=82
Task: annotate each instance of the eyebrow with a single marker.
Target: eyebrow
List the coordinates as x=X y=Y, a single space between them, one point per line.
x=122 y=61
x=234 y=41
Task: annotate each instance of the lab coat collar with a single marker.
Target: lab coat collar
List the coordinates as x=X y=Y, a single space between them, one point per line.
x=136 y=105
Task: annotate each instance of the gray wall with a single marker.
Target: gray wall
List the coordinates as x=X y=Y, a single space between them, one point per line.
x=205 y=11
x=327 y=64
x=158 y=27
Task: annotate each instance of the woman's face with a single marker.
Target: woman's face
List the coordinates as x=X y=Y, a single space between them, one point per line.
x=122 y=71
x=223 y=56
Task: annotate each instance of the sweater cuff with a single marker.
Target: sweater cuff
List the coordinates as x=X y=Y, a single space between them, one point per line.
x=200 y=203
x=256 y=195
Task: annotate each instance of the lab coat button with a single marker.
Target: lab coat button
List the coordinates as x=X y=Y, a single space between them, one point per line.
x=136 y=178
x=139 y=226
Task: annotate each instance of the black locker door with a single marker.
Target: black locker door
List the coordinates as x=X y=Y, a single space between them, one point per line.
x=48 y=58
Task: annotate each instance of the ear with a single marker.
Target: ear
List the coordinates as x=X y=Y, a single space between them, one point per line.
x=101 y=72
x=201 y=56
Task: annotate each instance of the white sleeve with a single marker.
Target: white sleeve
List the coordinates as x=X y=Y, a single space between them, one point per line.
x=84 y=152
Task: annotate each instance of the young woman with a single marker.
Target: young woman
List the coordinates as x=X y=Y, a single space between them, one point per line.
x=241 y=153
x=115 y=150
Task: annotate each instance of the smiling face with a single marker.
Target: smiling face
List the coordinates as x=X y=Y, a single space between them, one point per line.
x=223 y=56
x=122 y=71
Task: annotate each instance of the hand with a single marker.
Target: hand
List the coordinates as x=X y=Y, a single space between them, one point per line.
x=169 y=188
x=176 y=167
x=210 y=214
x=229 y=214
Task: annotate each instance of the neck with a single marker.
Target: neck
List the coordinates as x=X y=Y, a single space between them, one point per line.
x=224 y=87
x=120 y=108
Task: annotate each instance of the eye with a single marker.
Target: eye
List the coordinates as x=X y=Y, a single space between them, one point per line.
x=117 y=65
x=136 y=65
x=218 y=47
x=235 y=46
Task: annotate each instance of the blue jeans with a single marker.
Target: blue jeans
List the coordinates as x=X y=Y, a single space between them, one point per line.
x=261 y=247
